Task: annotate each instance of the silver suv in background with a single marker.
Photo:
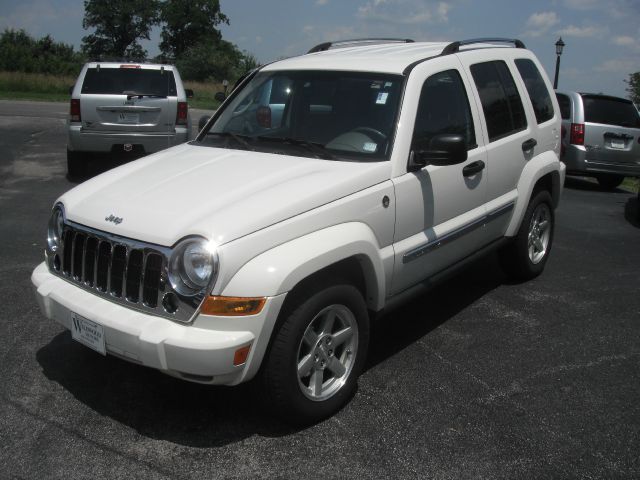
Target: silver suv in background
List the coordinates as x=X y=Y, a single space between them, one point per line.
x=125 y=108
x=600 y=137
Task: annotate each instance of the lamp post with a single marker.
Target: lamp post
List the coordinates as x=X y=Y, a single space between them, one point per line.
x=559 y=47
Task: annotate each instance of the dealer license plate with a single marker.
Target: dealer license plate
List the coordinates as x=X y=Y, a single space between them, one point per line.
x=129 y=118
x=88 y=333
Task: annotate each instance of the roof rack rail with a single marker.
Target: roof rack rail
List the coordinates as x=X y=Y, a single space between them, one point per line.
x=455 y=46
x=327 y=45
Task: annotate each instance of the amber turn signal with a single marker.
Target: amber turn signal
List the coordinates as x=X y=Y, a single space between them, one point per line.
x=241 y=355
x=232 y=306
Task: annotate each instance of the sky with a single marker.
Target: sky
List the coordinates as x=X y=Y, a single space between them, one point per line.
x=602 y=37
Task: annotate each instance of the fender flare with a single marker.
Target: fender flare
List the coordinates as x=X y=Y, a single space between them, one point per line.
x=539 y=166
x=281 y=268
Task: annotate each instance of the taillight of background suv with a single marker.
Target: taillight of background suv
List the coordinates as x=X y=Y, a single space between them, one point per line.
x=577 y=134
x=183 y=113
x=74 y=110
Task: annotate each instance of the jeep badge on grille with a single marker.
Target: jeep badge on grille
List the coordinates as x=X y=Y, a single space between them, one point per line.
x=112 y=218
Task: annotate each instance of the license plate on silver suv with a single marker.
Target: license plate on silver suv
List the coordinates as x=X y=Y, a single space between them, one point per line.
x=129 y=118
x=88 y=333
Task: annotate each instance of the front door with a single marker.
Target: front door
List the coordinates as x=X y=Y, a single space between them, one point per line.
x=440 y=209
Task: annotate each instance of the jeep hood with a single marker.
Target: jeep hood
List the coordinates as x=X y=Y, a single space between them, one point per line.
x=219 y=194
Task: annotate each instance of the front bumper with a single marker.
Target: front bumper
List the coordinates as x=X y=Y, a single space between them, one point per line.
x=202 y=352
x=82 y=140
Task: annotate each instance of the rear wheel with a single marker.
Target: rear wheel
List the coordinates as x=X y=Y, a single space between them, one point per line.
x=526 y=257
x=609 y=182
x=317 y=354
x=76 y=166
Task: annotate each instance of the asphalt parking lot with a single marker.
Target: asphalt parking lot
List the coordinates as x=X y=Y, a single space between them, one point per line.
x=480 y=378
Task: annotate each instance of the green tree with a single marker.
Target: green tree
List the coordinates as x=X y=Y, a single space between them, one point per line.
x=119 y=24
x=634 y=87
x=19 y=52
x=188 y=23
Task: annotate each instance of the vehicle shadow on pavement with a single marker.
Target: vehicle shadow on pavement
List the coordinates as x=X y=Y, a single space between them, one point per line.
x=405 y=326
x=156 y=405
x=588 y=184
x=632 y=211
x=164 y=408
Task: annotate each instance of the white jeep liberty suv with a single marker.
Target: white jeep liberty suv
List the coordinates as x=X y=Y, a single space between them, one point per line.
x=327 y=188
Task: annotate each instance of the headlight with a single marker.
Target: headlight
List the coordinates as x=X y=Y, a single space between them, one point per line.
x=54 y=231
x=192 y=265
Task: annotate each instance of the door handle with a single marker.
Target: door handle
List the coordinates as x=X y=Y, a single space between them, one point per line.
x=473 y=168
x=529 y=144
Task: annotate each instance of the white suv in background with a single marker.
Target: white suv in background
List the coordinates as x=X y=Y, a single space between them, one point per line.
x=325 y=191
x=131 y=109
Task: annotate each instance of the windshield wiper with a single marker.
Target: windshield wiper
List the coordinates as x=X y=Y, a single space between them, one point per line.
x=131 y=94
x=317 y=149
x=241 y=139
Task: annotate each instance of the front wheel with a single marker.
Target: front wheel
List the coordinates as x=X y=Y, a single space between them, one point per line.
x=526 y=257
x=317 y=354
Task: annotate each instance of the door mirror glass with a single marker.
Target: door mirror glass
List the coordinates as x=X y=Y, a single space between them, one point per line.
x=444 y=149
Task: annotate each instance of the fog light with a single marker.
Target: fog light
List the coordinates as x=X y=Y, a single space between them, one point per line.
x=170 y=302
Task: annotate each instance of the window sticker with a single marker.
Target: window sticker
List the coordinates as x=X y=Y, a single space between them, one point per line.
x=370 y=147
x=387 y=84
x=382 y=98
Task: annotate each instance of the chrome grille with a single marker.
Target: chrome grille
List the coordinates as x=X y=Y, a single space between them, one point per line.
x=120 y=269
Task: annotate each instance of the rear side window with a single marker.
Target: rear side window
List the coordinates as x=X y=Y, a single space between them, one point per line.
x=565 y=106
x=537 y=89
x=610 y=111
x=501 y=103
x=117 y=81
x=443 y=108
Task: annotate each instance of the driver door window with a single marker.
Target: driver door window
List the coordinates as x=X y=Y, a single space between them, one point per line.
x=443 y=108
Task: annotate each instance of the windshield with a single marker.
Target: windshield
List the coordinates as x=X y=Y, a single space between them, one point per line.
x=610 y=111
x=116 y=81
x=332 y=115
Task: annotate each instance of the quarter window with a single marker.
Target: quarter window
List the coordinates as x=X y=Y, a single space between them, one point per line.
x=443 y=108
x=537 y=89
x=501 y=103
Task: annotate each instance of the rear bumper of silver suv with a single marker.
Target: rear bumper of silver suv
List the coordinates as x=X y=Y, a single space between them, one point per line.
x=580 y=161
x=81 y=140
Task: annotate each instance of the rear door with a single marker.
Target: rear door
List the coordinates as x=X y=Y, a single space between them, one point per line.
x=511 y=139
x=612 y=129
x=128 y=98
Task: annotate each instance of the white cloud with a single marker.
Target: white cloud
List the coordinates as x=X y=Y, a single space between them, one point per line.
x=539 y=23
x=625 y=41
x=618 y=65
x=581 y=32
x=404 y=12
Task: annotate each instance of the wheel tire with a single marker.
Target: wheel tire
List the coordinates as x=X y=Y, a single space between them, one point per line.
x=76 y=166
x=609 y=182
x=526 y=257
x=300 y=388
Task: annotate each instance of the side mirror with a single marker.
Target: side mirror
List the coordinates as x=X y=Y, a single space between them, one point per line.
x=203 y=121
x=444 y=149
x=71 y=89
x=188 y=92
x=220 y=96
